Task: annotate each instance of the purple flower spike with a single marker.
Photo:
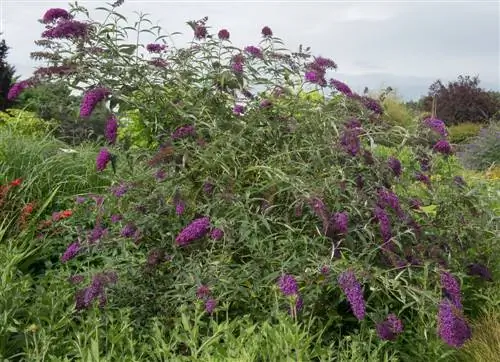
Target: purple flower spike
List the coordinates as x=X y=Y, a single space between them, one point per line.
x=254 y=51
x=17 y=89
x=390 y=328
x=111 y=130
x=194 y=231
x=210 y=305
x=443 y=146
x=52 y=15
x=452 y=326
x=267 y=32
x=102 y=159
x=288 y=285
x=91 y=99
x=223 y=34
x=395 y=166
x=341 y=87
x=72 y=250
x=217 y=234
x=451 y=289
x=352 y=289
x=340 y=221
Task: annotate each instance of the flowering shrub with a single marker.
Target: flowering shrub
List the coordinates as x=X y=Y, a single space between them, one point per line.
x=257 y=195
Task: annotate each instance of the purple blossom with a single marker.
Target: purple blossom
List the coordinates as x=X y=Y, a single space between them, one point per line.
x=200 y=32
x=183 y=132
x=254 y=51
x=352 y=289
x=202 y=292
x=180 y=206
x=158 y=62
x=395 y=165
x=452 y=326
x=390 y=328
x=312 y=77
x=325 y=270
x=372 y=105
x=437 y=126
x=17 y=89
x=350 y=142
x=160 y=175
x=208 y=188
x=76 y=279
x=288 y=285
x=415 y=204
x=451 y=289
x=479 y=270
x=423 y=178
x=388 y=198
x=237 y=67
x=324 y=63
x=52 y=15
x=217 y=234
x=96 y=233
x=354 y=123
x=238 y=109
x=155 y=48
x=443 y=146
x=128 y=230
x=119 y=190
x=194 y=231
x=425 y=164
x=116 y=218
x=80 y=199
x=96 y=290
x=102 y=159
x=67 y=29
x=210 y=305
x=111 y=130
x=340 y=86
x=384 y=223
x=91 y=99
x=340 y=221
x=223 y=34
x=267 y=32
x=72 y=250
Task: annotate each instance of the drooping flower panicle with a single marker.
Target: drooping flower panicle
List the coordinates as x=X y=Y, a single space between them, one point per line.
x=352 y=289
x=194 y=231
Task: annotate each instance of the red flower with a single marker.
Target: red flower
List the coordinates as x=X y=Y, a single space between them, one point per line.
x=16 y=182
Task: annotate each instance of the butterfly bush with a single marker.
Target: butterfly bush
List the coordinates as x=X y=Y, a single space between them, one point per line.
x=234 y=130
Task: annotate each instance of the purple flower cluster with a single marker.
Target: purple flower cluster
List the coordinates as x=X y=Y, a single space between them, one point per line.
x=103 y=159
x=67 y=29
x=390 y=328
x=238 y=109
x=422 y=177
x=341 y=87
x=350 y=142
x=372 y=105
x=54 y=14
x=384 y=223
x=183 y=132
x=340 y=221
x=479 y=270
x=158 y=62
x=72 y=250
x=96 y=290
x=111 y=130
x=444 y=147
x=265 y=103
x=453 y=329
x=116 y=218
x=217 y=234
x=155 y=48
x=90 y=100
x=395 y=165
x=128 y=230
x=200 y=31
x=451 y=289
x=352 y=289
x=267 y=32
x=316 y=70
x=203 y=292
x=180 y=207
x=17 y=89
x=288 y=285
x=254 y=51
x=194 y=231
x=387 y=198
x=96 y=233
x=223 y=34
x=208 y=188
x=119 y=190
x=437 y=126
x=210 y=305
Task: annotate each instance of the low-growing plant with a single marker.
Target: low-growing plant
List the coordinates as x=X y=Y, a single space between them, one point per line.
x=462 y=132
x=483 y=151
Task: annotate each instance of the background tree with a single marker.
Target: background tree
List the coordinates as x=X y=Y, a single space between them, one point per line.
x=6 y=76
x=461 y=101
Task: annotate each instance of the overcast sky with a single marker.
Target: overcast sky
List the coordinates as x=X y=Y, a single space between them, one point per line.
x=403 y=44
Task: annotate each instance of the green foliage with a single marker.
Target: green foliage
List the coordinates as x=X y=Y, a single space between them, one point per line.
x=484 y=150
x=462 y=132
x=25 y=123
x=397 y=114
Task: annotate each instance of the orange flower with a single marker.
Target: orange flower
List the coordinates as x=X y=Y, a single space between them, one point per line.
x=66 y=213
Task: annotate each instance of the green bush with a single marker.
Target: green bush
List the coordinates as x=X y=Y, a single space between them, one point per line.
x=462 y=132
x=397 y=114
x=25 y=123
x=483 y=151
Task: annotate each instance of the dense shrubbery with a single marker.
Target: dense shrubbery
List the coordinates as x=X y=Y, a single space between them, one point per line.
x=305 y=226
x=462 y=101
x=484 y=150
x=462 y=132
